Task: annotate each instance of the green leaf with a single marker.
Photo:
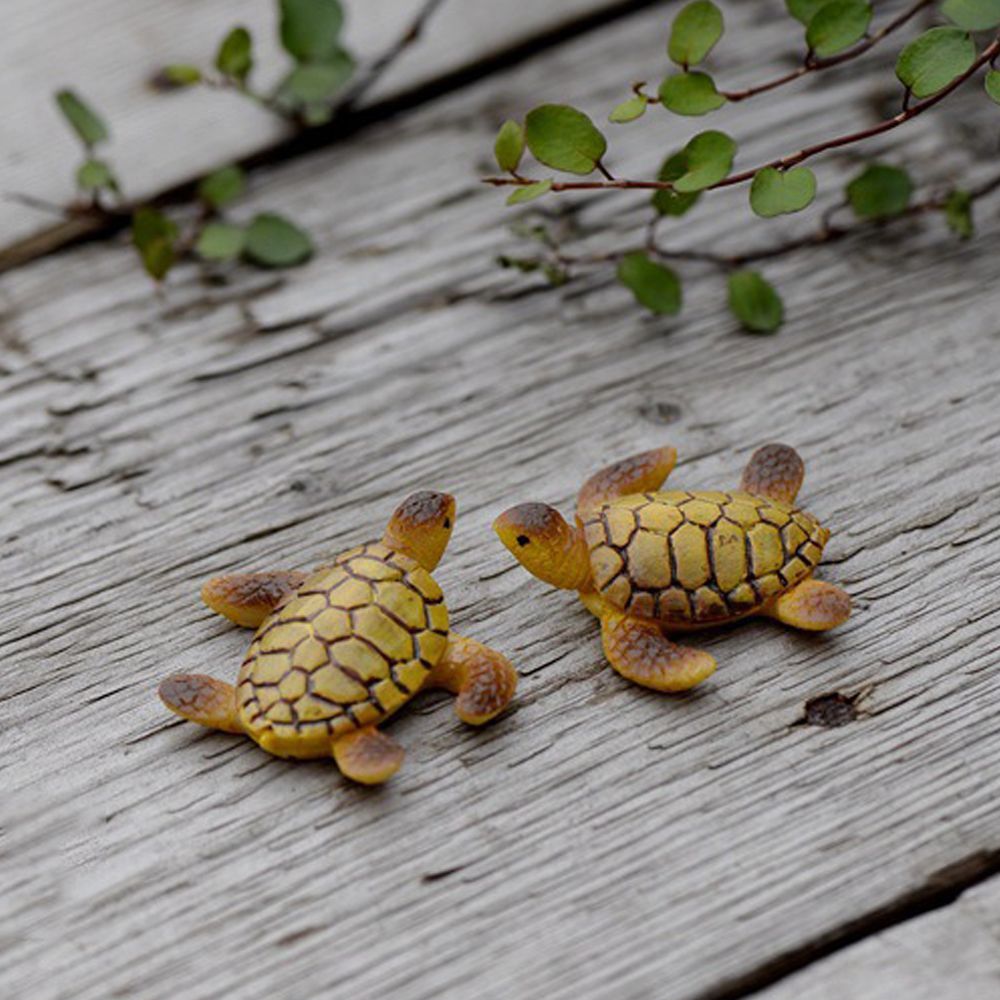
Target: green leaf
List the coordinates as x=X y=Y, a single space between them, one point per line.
x=235 y=56
x=654 y=286
x=529 y=192
x=675 y=203
x=973 y=15
x=931 y=61
x=317 y=82
x=958 y=214
x=628 y=111
x=755 y=303
x=778 y=192
x=709 y=158
x=180 y=75
x=690 y=94
x=95 y=175
x=694 y=33
x=310 y=29
x=879 y=192
x=837 y=26
x=222 y=186
x=272 y=241
x=992 y=84
x=804 y=10
x=85 y=121
x=154 y=236
x=220 y=241
x=509 y=146
x=563 y=138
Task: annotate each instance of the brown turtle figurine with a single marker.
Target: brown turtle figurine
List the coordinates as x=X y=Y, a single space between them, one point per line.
x=648 y=562
x=338 y=650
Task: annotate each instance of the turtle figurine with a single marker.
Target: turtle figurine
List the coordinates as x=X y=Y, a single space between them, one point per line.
x=649 y=563
x=340 y=649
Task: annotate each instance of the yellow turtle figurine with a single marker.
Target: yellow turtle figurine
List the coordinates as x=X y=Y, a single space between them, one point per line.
x=648 y=562
x=339 y=650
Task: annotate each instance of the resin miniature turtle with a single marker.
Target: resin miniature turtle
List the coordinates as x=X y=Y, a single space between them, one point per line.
x=339 y=650
x=648 y=563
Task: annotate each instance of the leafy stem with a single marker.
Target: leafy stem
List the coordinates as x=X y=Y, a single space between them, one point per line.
x=991 y=52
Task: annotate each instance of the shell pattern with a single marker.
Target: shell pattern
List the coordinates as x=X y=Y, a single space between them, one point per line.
x=702 y=557
x=354 y=644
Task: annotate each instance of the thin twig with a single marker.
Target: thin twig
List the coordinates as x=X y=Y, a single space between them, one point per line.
x=826 y=233
x=782 y=163
x=378 y=67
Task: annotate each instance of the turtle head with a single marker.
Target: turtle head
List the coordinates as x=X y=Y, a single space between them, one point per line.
x=421 y=527
x=545 y=545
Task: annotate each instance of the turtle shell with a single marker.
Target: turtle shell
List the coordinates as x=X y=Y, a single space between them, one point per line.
x=354 y=644
x=689 y=559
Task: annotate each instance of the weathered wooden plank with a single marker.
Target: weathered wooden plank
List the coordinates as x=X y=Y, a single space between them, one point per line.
x=599 y=838
x=950 y=952
x=162 y=141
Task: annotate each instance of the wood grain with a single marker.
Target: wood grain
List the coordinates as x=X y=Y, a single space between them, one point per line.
x=598 y=840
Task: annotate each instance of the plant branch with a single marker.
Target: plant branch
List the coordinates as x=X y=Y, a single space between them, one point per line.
x=377 y=69
x=812 y=65
x=826 y=233
x=782 y=163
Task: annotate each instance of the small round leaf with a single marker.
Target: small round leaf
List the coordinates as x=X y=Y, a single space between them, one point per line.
x=804 y=10
x=690 y=94
x=316 y=82
x=778 y=192
x=709 y=157
x=154 y=236
x=754 y=302
x=973 y=15
x=563 y=138
x=529 y=192
x=934 y=59
x=879 y=192
x=95 y=175
x=992 y=84
x=958 y=214
x=235 y=55
x=310 y=29
x=628 y=111
x=668 y=201
x=694 y=33
x=837 y=26
x=179 y=75
x=220 y=241
x=87 y=124
x=509 y=146
x=654 y=286
x=222 y=186
x=272 y=241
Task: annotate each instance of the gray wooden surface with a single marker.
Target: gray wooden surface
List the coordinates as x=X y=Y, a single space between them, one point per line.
x=598 y=840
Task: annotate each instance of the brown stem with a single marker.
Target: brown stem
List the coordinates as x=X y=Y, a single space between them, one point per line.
x=812 y=65
x=784 y=162
x=826 y=233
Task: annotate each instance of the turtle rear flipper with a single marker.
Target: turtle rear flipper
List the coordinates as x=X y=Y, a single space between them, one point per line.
x=774 y=471
x=248 y=598
x=812 y=605
x=368 y=756
x=202 y=699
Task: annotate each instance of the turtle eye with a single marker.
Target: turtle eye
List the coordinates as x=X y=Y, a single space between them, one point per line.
x=447 y=522
x=523 y=540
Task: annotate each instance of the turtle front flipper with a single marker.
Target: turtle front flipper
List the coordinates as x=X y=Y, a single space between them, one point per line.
x=774 y=471
x=202 y=699
x=248 y=598
x=483 y=679
x=640 y=473
x=812 y=605
x=641 y=653
x=368 y=756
